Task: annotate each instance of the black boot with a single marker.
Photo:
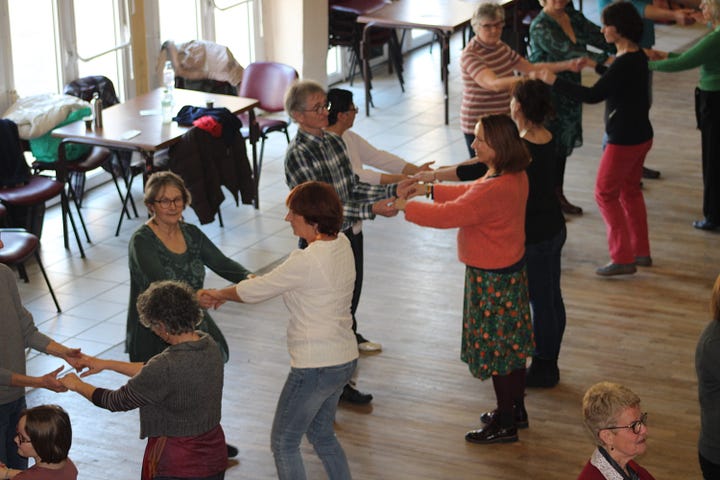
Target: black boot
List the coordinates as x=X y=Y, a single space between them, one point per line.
x=542 y=373
x=500 y=430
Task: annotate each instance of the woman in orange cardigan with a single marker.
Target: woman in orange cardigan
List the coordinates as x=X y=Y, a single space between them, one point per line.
x=497 y=333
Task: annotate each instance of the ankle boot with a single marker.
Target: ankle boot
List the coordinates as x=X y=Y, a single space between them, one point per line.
x=542 y=373
x=567 y=207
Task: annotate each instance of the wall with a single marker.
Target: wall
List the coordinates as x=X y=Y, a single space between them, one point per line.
x=296 y=33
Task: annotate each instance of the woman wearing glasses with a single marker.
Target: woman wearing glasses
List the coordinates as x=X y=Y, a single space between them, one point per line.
x=167 y=248
x=612 y=415
x=44 y=434
x=488 y=68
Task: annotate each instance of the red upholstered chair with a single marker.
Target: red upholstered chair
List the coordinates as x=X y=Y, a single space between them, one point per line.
x=267 y=82
x=18 y=247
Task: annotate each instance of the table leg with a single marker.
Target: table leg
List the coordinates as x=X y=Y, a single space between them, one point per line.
x=254 y=135
x=365 y=57
x=445 y=62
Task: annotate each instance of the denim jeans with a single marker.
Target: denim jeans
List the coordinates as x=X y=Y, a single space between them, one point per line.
x=307 y=405
x=548 y=308
x=9 y=416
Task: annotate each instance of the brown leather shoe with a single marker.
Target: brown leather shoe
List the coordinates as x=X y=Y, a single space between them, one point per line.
x=567 y=207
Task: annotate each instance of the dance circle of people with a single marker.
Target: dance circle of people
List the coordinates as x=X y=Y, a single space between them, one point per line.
x=520 y=131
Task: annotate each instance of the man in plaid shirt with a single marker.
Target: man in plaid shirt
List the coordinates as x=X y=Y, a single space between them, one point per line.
x=315 y=154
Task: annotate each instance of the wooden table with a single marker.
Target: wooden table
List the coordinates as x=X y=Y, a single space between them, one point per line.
x=144 y=114
x=442 y=17
x=137 y=125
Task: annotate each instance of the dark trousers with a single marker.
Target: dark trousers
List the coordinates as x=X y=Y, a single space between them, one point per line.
x=548 y=308
x=356 y=243
x=707 y=111
x=9 y=416
x=710 y=471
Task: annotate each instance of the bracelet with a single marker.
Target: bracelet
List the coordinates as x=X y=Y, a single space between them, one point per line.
x=430 y=191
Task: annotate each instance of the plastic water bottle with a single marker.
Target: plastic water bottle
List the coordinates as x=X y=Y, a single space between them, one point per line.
x=167 y=106
x=169 y=76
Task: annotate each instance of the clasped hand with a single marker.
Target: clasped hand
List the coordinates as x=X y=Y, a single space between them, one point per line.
x=209 y=298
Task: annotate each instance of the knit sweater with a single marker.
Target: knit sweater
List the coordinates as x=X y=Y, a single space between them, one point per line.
x=18 y=333
x=703 y=54
x=179 y=391
x=316 y=284
x=490 y=214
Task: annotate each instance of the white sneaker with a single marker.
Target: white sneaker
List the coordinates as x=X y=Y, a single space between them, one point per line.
x=368 y=346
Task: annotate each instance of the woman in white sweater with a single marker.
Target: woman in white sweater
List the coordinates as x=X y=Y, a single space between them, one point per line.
x=316 y=284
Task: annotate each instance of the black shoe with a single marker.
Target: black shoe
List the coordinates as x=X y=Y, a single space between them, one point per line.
x=705 y=224
x=493 y=433
x=542 y=373
x=354 y=396
x=520 y=414
x=232 y=450
x=650 y=173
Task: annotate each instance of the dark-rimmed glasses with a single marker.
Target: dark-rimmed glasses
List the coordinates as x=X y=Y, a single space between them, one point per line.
x=319 y=108
x=175 y=202
x=635 y=426
x=20 y=439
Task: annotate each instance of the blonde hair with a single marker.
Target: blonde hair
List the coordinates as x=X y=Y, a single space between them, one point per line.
x=602 y=405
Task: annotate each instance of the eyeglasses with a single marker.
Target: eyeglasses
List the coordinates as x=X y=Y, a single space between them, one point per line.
x=175 y=202
x=490 y=26
x=353 y=108
x=20 y=439
x=319 y=109
x=635 y=426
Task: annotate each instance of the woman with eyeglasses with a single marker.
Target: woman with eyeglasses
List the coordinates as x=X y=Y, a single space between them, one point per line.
x=488 y=67
x=560 y=32
x=167 y=248
x=619 y=428
x=704 y=54
x=44 y=434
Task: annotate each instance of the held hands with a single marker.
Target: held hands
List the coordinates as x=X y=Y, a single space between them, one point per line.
x=544 y=74
x=71 y=382
x=408 y=189
x=51 y=382
x=209 y=299
x=685 y=16
x=73 y=356
x=655 y=54
x=385 y=207
x=428 y=176
x=400 y=204
x=94 y=365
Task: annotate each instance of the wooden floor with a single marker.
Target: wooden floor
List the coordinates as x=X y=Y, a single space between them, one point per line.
x=639 y=330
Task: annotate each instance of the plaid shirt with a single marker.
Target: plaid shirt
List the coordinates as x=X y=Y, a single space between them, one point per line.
x=325 y=159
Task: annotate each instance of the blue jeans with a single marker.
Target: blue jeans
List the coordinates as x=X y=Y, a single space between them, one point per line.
x=307 y=405
x=9 y=416
x=548 y=308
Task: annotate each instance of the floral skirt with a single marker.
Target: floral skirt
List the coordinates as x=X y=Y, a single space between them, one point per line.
x=497 y=335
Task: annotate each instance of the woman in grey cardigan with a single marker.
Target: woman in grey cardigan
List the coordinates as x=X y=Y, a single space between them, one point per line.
x=178 y=391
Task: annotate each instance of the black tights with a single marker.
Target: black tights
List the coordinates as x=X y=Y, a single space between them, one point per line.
x=510 y=393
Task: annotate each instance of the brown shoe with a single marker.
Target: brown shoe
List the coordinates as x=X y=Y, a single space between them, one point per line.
x=567 y=207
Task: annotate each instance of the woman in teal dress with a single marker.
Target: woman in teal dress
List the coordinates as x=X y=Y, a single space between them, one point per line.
x=166 y=248
x=559 y=33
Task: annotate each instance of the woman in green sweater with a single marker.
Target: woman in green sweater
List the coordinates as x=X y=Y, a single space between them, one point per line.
x=167 y=248
x=704 y=54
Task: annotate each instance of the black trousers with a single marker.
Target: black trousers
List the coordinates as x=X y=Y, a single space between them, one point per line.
x=707 y=111
x=356 y=243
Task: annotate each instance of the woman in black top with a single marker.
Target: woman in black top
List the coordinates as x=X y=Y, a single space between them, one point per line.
x=624 y=87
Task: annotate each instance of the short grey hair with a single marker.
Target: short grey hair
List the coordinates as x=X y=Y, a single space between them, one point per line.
x=298 y=93
x=603 y=403
x=487 y=11
x=714 y=6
